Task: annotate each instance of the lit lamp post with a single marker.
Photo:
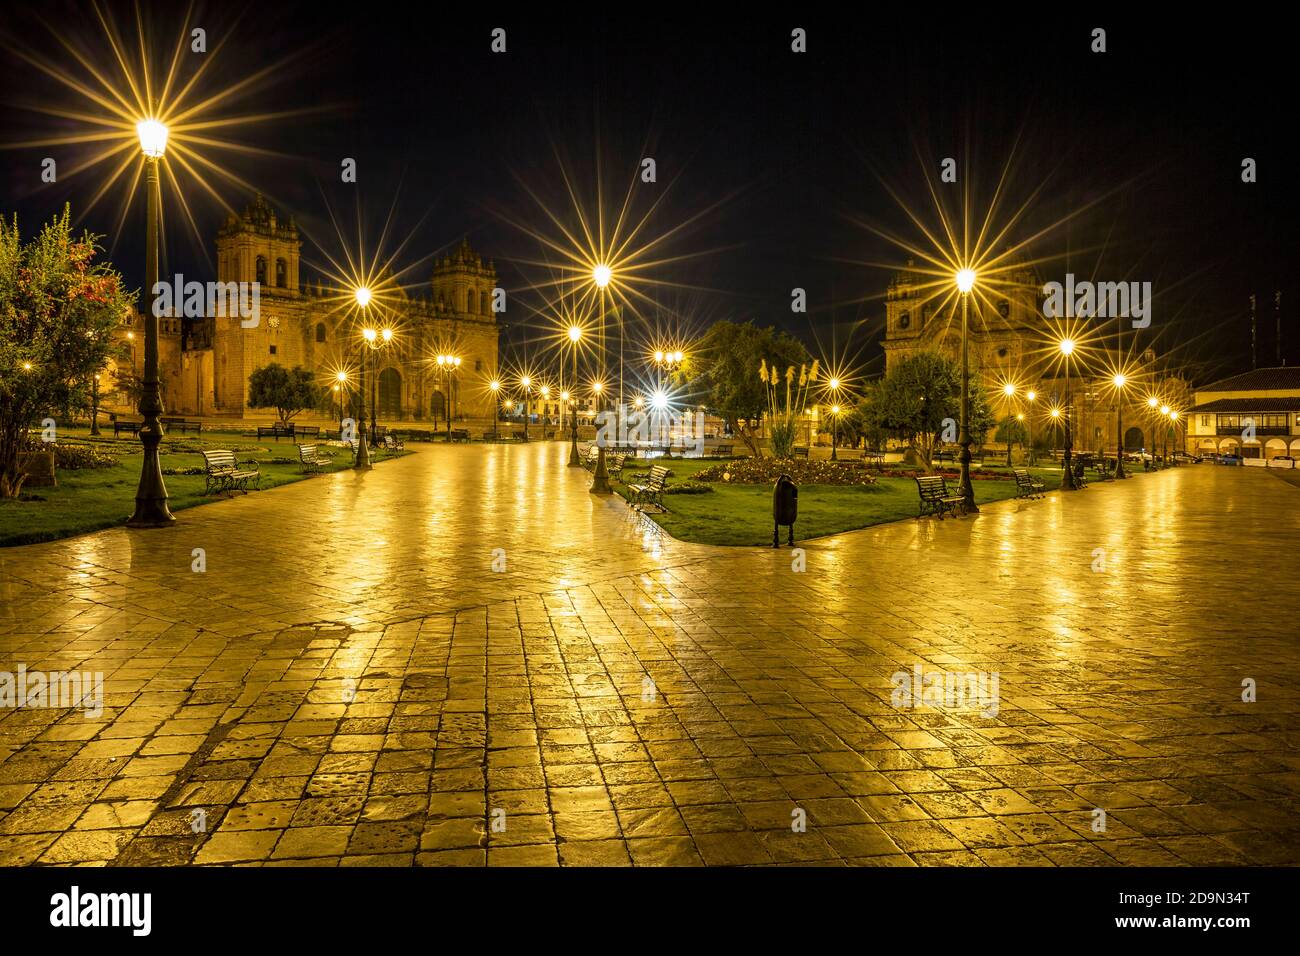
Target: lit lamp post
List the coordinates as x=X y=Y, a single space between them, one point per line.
x=447 y=365
x=1164 y=437
x=526 y=383
x=666 y=363
x=341 y=387
x=1030 y=396
x=495 y=387
x=833 y=387
x=376 y=341
x=965 y=282
x=601 y=275
x=1173 y=422
x=151 y=509
x=575 y=461
x=1119 y=380
x=1152 y=403
x=1067 y=481
x=362 y=295
x=1009 y=390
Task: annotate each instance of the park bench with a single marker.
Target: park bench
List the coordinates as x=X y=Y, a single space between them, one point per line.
x=589 y=460
x=1027 y=486
x=276 y=431
x=310 y=458
x=131 y=428
x=458 y=434
x=948 y=456
x=722 y=451
x=614 y=466
x=651 y=491
x=935 y=497
x=393 y=444
x=1103 y=469
x=224 y=473
x=800 y=451
x=1080 y=477
x=183 y=424
x=521 y=436
x=306 y=431
x=874 y=457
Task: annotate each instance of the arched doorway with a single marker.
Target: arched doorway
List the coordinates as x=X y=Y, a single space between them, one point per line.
x=438 y=406
x=1133 y=440
x=390 y=393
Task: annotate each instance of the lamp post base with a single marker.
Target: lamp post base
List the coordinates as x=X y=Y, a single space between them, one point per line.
x=600 y=479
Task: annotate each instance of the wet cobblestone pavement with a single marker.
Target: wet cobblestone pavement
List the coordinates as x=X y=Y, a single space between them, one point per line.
x=351 y=683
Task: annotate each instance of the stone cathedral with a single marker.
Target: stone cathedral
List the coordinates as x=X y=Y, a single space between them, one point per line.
x=206 y=363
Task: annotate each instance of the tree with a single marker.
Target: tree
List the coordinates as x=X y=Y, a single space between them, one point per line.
x=920 y=399
x=58 y=311
x=725 y=372
x=288 y=391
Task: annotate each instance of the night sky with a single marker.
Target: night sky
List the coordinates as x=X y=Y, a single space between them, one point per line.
x=793 y=148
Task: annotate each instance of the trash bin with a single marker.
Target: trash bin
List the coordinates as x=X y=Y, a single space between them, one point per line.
x=785 y=508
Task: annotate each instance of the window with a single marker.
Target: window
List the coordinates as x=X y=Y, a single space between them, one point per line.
x=320 y=331
x=261 y=270
x=272 y=349
x=1205 y=421
x=478 y=365
x=281 y=273
x=904 y=320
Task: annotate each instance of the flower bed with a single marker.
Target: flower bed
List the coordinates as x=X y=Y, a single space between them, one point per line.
x=765 y=471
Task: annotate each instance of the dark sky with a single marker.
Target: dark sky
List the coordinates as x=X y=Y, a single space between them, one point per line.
x=792 y=148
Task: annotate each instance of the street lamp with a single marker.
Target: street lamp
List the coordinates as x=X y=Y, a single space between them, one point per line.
x=1152 y=405
x=362 y=296
x=1009 y=390
x=341 y=386
x=833 y=386
x=151 y=509
x=601 y=275
x=1030 y=397
x=1119 y=380
x=495 y=387
x=575 y=461
x=1164 y=438
x=1067 y=482
x=448 y=365
x=965 y=282
x=526 y=383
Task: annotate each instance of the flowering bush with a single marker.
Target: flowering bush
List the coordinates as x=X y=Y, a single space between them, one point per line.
x=58 y=310
x=76 y=457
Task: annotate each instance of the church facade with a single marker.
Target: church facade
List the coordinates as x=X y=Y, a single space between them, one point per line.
x=206 y=362
x=1009 y=342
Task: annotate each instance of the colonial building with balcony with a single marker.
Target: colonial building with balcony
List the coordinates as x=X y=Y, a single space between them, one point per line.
x=1255 y=415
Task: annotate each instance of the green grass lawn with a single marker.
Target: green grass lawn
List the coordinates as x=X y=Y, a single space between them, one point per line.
x=741 y=515
x=90 y=499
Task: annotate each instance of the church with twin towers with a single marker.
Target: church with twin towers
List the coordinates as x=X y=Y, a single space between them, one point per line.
x=206 y=363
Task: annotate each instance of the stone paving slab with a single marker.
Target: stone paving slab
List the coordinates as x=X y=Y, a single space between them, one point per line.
x=351 y=683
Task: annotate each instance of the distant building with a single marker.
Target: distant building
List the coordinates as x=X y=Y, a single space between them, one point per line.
x=206 y=363
x=1010 y=343
x=1255 y=414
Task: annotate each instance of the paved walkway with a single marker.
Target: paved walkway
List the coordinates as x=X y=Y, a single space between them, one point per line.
x=351 y=682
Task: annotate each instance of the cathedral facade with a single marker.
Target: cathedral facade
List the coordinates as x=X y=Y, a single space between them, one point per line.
x=1010 y=341
x=206 y=362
